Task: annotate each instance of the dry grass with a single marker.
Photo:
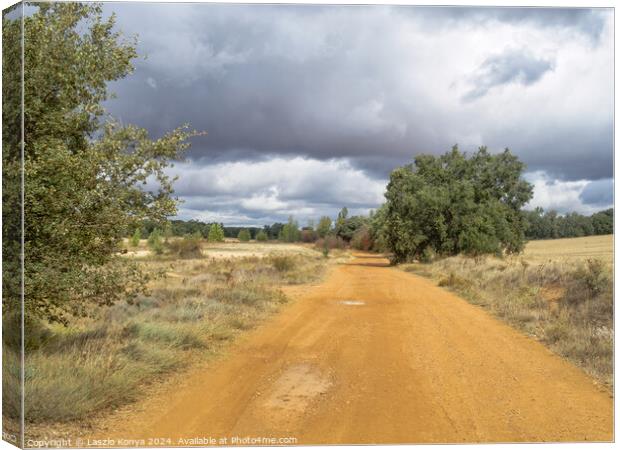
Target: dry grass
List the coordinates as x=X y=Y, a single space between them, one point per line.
x=230 y=248
x=572 y=249
x=195 y=307
x=564 y=300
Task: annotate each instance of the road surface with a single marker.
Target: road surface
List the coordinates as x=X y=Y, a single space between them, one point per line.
x=376 y=355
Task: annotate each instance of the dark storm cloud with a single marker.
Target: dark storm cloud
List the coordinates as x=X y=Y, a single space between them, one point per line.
x=598 y=193
x=511 y=66
x=588 y=22
x=372 y=85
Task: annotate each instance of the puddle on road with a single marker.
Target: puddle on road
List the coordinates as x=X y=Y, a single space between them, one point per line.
x=352 y=302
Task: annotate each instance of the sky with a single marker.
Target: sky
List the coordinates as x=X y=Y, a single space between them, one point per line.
x=308 y=108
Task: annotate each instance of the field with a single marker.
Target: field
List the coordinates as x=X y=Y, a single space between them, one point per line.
x=598 y=247
x=194 y=309
x=558 y=291
x=232 y=248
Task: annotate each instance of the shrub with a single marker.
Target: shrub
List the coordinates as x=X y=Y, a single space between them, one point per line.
x=331 y=242
x=308 y=235
x=283 y=263
x=244 y=235
x=216 y=233
x=155 y=241
x=188 y=247
x=261 y=236
x=594 y=276
x=362 y=239
x=135 y=239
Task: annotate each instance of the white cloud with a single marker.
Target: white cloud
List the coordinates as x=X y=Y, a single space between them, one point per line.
x=562 y=196
x=270 y=190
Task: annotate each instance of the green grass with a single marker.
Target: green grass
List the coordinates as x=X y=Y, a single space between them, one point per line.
x=194 y=309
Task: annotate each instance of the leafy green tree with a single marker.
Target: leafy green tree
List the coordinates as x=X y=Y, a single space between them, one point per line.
x=261 y=236
x=155 y=241
x=454 y=203
x=378 y=228
x=603 y=222
x=83 y=174
x=244 y=235
x=216 y=233
x=350 y=225
x=324 y=226
x=290 y=231
x=135 y=238
x=340 y=220
x=550 y=225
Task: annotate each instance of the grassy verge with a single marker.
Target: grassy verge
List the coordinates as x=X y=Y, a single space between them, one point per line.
x=568 y=306
x=195 y=307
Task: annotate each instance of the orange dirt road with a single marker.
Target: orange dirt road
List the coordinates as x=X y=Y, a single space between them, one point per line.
x=376 y=355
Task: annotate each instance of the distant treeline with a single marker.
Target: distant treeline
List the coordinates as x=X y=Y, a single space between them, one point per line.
x=356 y=230
x=551 y=225
x=186 y=227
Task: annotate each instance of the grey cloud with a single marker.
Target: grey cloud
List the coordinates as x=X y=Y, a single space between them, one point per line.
x=333 y=82
x=511 y=66
x=598 y=193
x=587 y=22
x=372 y=85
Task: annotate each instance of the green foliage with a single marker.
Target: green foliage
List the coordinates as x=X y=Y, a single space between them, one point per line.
x=244 y=235
x=261 y=236
x=324 y=226
x=378 y=228
x=347 y=227
x=454 y=203
x=273 y=231
x=83 y=175
x=216 y=233
x=550 y=225
x=290 y=231
x=135 y=238
x=603 y=222
x=362 y=238
x=155 y=241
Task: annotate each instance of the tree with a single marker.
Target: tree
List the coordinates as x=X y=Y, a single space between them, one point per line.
x=83 y=174
x=135 y=239
x=603 y=222
x=155 y=241
x=216 y=233
x=244 y=235
x=378 y=228
x=362 y=238
x=324 y=226
x=551 y=225
x=340 y=220
x=454 y=203
x=349 y=225
x=261 y=236
x=307 y=234
x=290 y=231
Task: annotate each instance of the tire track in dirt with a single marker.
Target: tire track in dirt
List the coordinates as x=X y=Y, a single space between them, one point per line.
x=376 y=355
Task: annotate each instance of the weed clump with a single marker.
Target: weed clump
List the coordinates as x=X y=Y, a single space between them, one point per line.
x=186 y=248
x=283 y=263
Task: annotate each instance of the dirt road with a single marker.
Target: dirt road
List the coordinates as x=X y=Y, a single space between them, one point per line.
x=376 y=355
